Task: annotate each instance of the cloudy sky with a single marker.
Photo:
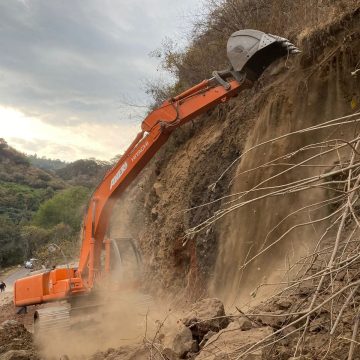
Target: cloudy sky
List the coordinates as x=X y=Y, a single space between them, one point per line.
x=70 y=68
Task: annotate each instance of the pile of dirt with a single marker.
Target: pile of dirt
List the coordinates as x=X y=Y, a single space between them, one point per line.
x=269 y=331
x=16 y=343
x=8 y=312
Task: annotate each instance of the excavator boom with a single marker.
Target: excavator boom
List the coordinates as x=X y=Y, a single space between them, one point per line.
x=250 y=52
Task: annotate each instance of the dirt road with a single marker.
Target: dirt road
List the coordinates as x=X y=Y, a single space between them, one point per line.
x=9 y=279
x=13 y=276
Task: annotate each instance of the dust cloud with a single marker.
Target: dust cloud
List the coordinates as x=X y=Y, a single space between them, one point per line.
x=119 y=310
x=116 y=313
x=115 y=320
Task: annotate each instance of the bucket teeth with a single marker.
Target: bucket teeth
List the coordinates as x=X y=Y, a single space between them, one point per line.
x=291 y=47
x=279 y=38
x=286 y=43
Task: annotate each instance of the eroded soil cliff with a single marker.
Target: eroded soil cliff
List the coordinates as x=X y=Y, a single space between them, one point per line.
x=174 y=193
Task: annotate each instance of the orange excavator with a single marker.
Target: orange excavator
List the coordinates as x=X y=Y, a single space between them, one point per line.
x=250 y=52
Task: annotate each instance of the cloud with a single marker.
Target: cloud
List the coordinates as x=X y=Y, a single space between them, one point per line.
x=70 y=62
x=80 y=140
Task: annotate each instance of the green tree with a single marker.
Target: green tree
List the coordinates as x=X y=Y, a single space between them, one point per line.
x=11 y=249
x=32 y=238
x=65 y=207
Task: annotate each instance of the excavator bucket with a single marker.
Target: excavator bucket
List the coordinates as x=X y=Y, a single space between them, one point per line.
x=252 y=51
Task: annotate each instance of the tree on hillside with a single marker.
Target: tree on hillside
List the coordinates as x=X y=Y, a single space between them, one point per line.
x=65 y=207
x=11 y=249
x=32 y=238
x=35 y=237
x=84 y=172
x=46 y=163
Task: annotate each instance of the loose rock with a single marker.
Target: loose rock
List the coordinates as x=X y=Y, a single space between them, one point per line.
x=284 y=304
x=182 y=342
x=206 y=315
x=270 y=320
x=226 y=343
x=206 y=337
x=244 y=323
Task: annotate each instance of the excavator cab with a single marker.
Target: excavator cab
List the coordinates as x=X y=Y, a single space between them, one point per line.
x=251 y=51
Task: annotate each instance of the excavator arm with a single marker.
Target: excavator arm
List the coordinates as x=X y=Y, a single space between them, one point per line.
x=156 y=129
x=249 y=52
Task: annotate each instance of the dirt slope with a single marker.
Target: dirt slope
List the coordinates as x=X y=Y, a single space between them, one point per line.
x=316 y=88
x=297 y=93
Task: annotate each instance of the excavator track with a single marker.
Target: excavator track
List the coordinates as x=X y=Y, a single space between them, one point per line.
x=67 y=317
x=52 y=318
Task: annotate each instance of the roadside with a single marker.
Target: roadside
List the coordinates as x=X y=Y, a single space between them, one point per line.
x=7 y=308
x=9 y=276
x=4 y=273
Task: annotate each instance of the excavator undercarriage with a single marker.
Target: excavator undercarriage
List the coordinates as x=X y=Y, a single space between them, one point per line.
x=82 y=311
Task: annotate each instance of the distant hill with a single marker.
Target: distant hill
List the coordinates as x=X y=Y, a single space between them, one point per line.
x=88 y=172
x=23 y=188
x=31 y=187
x=45 y=163
x=15 y=167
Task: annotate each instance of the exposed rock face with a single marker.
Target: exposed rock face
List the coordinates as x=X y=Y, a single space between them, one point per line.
x=232 y=341
x=206 y=315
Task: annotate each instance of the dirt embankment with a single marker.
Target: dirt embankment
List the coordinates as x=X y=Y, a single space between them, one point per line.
x=317 y=87
x=295 y=94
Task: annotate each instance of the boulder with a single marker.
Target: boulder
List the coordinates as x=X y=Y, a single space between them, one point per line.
x=182 y=342
x=229 y=343
x=178 y=339
x=206 y=315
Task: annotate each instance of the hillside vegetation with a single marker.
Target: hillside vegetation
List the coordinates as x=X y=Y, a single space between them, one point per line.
x=40 y=205
x=45 y=163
